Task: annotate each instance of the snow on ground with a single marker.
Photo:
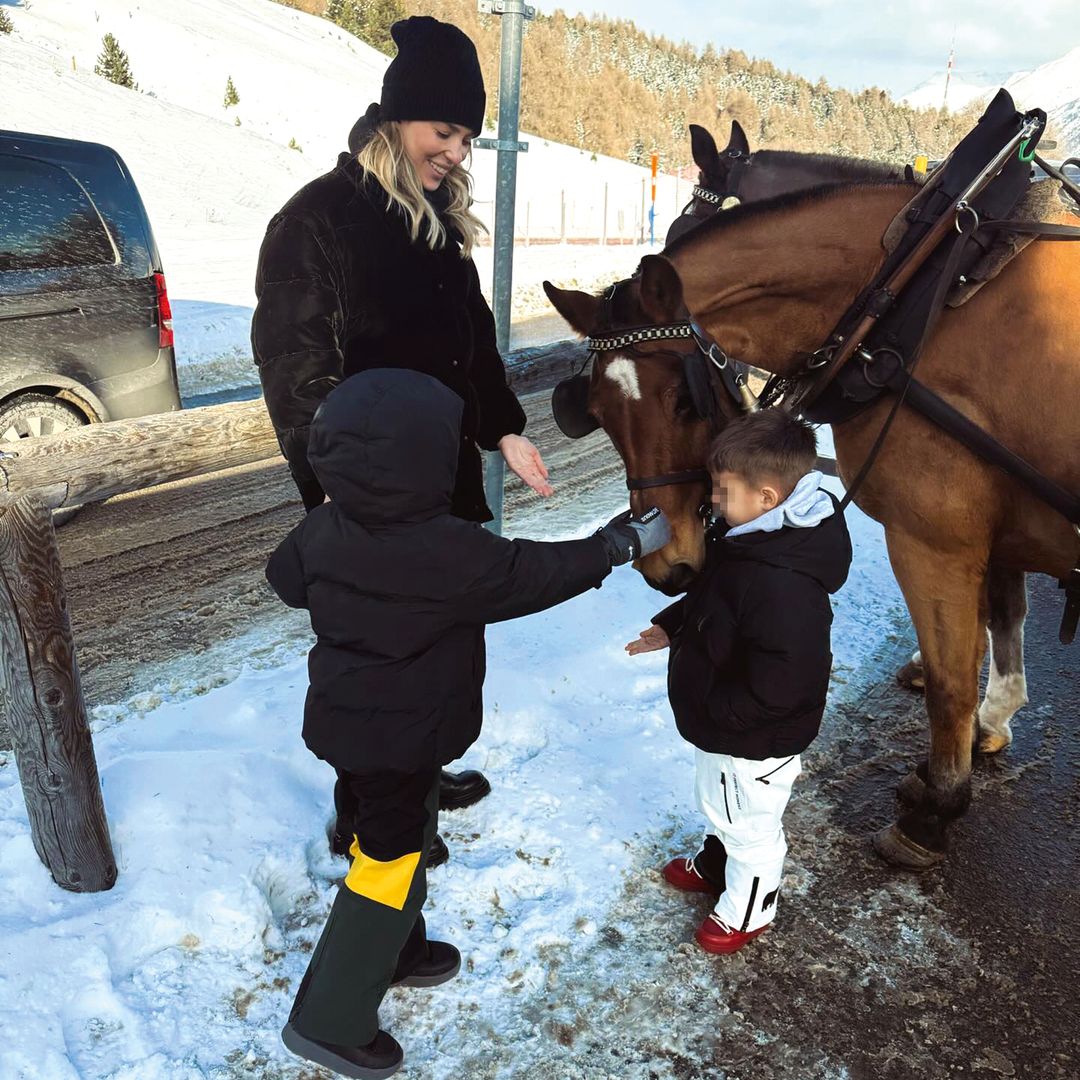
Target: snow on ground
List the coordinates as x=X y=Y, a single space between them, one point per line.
x=218 y=814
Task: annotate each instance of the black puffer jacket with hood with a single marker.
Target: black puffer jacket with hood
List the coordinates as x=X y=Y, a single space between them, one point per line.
x=748 y=671
x=399 y=590
x=342 y=288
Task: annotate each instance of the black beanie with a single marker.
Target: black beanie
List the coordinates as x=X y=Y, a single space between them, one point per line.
x=435 y=75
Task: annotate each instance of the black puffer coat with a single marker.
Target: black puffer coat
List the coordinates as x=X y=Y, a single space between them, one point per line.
x=399 y=590
x=750 y=657
x=342 y=288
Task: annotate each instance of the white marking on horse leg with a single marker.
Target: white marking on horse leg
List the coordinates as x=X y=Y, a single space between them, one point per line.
x=1006 y=692
x=623 y=373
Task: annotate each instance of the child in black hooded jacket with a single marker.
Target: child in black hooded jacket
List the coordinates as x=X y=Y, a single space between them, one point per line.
x=399 y=590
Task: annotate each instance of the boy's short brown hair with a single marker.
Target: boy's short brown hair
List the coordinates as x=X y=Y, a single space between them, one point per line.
x=766 y=445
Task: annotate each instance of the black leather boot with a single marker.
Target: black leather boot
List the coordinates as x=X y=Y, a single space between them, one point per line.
x=442 y=964
x=438 y=853
x=458 y=790
x=340 y=843
x=382 y=1057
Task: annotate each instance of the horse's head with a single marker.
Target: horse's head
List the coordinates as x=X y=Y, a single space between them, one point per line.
x=719 y=177
x=659 y=393
x=718 y=168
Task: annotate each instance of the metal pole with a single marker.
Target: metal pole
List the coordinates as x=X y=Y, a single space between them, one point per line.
x=514 y=13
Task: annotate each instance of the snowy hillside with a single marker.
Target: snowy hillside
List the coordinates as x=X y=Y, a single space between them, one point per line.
x=1054 y=87
x=210 y=187
x=963 y=90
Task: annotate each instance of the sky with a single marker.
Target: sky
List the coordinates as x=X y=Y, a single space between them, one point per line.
x=896 y=44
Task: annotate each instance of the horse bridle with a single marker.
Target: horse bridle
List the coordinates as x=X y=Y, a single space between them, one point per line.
x=718 y=200
x=703 y=398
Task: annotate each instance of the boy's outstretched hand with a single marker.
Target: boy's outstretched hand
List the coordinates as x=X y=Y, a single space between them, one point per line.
x=650 y=640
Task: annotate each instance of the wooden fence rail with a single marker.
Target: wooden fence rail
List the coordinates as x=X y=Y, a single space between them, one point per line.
x=101 y=460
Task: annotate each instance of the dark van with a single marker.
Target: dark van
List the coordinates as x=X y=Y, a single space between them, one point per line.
x=85 y=326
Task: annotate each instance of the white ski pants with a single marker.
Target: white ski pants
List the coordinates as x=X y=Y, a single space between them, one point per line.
x=744 y=803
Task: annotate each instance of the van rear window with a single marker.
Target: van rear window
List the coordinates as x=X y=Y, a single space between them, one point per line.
x=46 y=219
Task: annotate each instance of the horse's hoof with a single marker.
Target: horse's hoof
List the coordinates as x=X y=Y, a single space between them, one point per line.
x=911 y=790
x=911 y=677
x=992 y=742
x=900 y=850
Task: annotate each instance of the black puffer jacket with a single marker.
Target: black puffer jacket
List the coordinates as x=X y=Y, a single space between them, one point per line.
x=341 y=288
x=750 y=656
x=399 y=590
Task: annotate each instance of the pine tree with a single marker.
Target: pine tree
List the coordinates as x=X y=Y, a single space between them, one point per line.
x=113 y=64
x=231 y=96
x=369 y=20
x=6 y=25
x=374 y=19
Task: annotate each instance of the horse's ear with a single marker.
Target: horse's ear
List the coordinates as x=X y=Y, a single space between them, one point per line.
x=579 y=309
x=661 y=289
x=738 y=140
x=703 y=147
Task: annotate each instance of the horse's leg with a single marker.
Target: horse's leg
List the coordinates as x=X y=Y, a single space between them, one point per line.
x=947 y=597
x=1006 y=689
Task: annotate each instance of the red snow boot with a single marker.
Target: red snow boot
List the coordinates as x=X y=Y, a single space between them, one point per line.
x=715 y=936
x=683 y=874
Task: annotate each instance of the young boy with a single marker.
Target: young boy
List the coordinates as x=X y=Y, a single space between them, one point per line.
x=399 y=591
x=749 y=665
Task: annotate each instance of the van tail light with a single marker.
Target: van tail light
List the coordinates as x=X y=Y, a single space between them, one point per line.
x=164 y=311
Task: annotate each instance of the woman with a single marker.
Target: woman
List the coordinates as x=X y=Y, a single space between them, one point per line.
x=369 y=267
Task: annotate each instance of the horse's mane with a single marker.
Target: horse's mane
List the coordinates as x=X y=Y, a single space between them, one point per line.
x=834 y=166
x=789 y=201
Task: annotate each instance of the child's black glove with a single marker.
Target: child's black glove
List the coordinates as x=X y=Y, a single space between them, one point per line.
x=627 y=537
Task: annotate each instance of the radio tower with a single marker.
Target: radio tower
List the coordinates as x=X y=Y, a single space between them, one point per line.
x=948 y=69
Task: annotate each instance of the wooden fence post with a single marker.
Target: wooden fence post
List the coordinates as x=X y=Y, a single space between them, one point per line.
x=43 y=697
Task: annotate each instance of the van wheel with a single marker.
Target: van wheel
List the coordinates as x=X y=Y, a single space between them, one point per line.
x=27 y=416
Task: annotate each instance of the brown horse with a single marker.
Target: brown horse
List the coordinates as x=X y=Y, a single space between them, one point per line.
x=768 y=282
x=738 y=175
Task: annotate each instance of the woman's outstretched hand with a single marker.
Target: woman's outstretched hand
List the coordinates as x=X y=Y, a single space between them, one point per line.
x=524 y=460
x=649 y=641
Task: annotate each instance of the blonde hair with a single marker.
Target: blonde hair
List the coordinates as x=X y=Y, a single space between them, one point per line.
x=384 y=157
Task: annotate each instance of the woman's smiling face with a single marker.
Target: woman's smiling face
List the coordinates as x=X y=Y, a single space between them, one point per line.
x=434 y=148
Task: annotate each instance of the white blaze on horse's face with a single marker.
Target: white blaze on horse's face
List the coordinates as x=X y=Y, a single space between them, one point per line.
x=623 y=373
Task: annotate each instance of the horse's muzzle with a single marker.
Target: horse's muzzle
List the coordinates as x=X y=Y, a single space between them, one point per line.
x=675 y=581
